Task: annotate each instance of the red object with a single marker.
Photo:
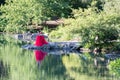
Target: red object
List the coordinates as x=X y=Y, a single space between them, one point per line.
x=40 y=40
x=39 y=55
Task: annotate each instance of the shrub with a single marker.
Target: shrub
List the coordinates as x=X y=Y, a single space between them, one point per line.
x=19 y=14
x=112 y=6
x=95 y=29
x=100 y=35
x=114 y=67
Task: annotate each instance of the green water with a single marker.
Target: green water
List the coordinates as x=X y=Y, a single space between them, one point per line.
x=19 y=64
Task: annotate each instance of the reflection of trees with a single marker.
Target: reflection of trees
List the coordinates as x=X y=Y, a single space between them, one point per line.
x=53 y=66
x=114 y=67
x=3 y=70
x=83 y=66
x=23 y=66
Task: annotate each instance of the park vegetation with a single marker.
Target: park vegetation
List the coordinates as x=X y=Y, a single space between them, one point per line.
x=95 y=23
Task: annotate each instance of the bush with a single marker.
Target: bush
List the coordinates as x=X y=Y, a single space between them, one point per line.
x=16 y=15
x=19 y=14
x=112 y=6
x=55 y=8
x=100 y=35
x=63 y=8
x=95 y=29
x=114 y=67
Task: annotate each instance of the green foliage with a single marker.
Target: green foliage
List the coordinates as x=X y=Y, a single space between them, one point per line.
x=102 y=32
x=114 y=67
x=105 y=28
x=15 y=16
x=61 y=34
x=19 y=14
x=80 y=3
x=61 y=8
x=95 y=29
x=54 y=8
x=3 y=24
x=71 y=28
x=117 y=47
x=112 y=6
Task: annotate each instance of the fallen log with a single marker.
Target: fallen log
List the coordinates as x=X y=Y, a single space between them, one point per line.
x=52 y=23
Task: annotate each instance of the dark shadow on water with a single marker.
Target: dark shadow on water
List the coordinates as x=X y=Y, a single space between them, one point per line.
x=3 y=70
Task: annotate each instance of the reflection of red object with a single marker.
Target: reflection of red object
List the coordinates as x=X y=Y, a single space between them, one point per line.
x=39 y=55
x=40 y=41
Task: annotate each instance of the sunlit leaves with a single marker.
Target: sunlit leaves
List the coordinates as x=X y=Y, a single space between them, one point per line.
x=94 y=29
x=20 y=13
x=114 y=67
x=112 y=6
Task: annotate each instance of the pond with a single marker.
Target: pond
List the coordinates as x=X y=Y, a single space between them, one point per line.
x=19 y=64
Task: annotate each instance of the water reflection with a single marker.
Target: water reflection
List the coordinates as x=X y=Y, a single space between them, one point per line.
x=86 y=66
x=3 y=70
x=72 y=65
x=39 y=56
x=54 y=65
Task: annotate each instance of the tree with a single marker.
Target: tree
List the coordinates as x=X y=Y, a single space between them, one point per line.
x=17 y=15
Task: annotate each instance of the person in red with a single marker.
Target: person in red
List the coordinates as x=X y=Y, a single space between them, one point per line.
x=39 y=56
x=40 y=40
